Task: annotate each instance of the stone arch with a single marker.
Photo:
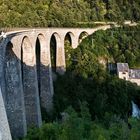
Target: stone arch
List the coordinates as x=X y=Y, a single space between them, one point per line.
x=53 y=50
x=55 y=46
x=29 y=80
x=40 y=44
x=43 y=72
x=58 y=39
x=60 y=53
x=69 y=41
x=82 y=35
x=70 y=36
x=27 y=52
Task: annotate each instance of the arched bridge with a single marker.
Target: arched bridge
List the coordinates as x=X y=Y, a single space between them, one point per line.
x=26 y=76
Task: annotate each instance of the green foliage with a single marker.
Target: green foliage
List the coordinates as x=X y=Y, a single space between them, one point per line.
x=68 y=51
x=96 y=104
x=113 y=45
x=87 y=78
x=76 y=127
x=33 y=134
x=134 y=132
x=108 y=95
x=66 y=13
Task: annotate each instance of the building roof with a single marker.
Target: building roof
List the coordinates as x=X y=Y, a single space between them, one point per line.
x=122 y=67
x=134 y=73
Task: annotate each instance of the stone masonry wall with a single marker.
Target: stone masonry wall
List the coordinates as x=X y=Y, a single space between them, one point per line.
x=4 y=125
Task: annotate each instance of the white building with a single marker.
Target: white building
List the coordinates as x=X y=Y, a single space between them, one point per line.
x=124 y=72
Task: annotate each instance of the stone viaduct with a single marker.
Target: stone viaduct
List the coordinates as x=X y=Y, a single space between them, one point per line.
x=26 y=75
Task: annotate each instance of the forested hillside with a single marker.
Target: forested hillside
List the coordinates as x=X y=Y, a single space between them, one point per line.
x=88 y=77
x=66 y=13
x=89 y=102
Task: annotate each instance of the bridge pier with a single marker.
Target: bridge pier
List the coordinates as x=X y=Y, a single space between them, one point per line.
x=75 y=42
x=30 y=83
x=60 y=57
x=13 y=93
x=4 y=125
x=46 y=83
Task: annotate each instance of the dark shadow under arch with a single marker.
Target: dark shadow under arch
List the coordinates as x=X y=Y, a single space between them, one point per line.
x=30 y=86
x=38 y=61
x=44 y=74
x=69 y=37
x=68 y=42
x=82 y=35
x=53 y=51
